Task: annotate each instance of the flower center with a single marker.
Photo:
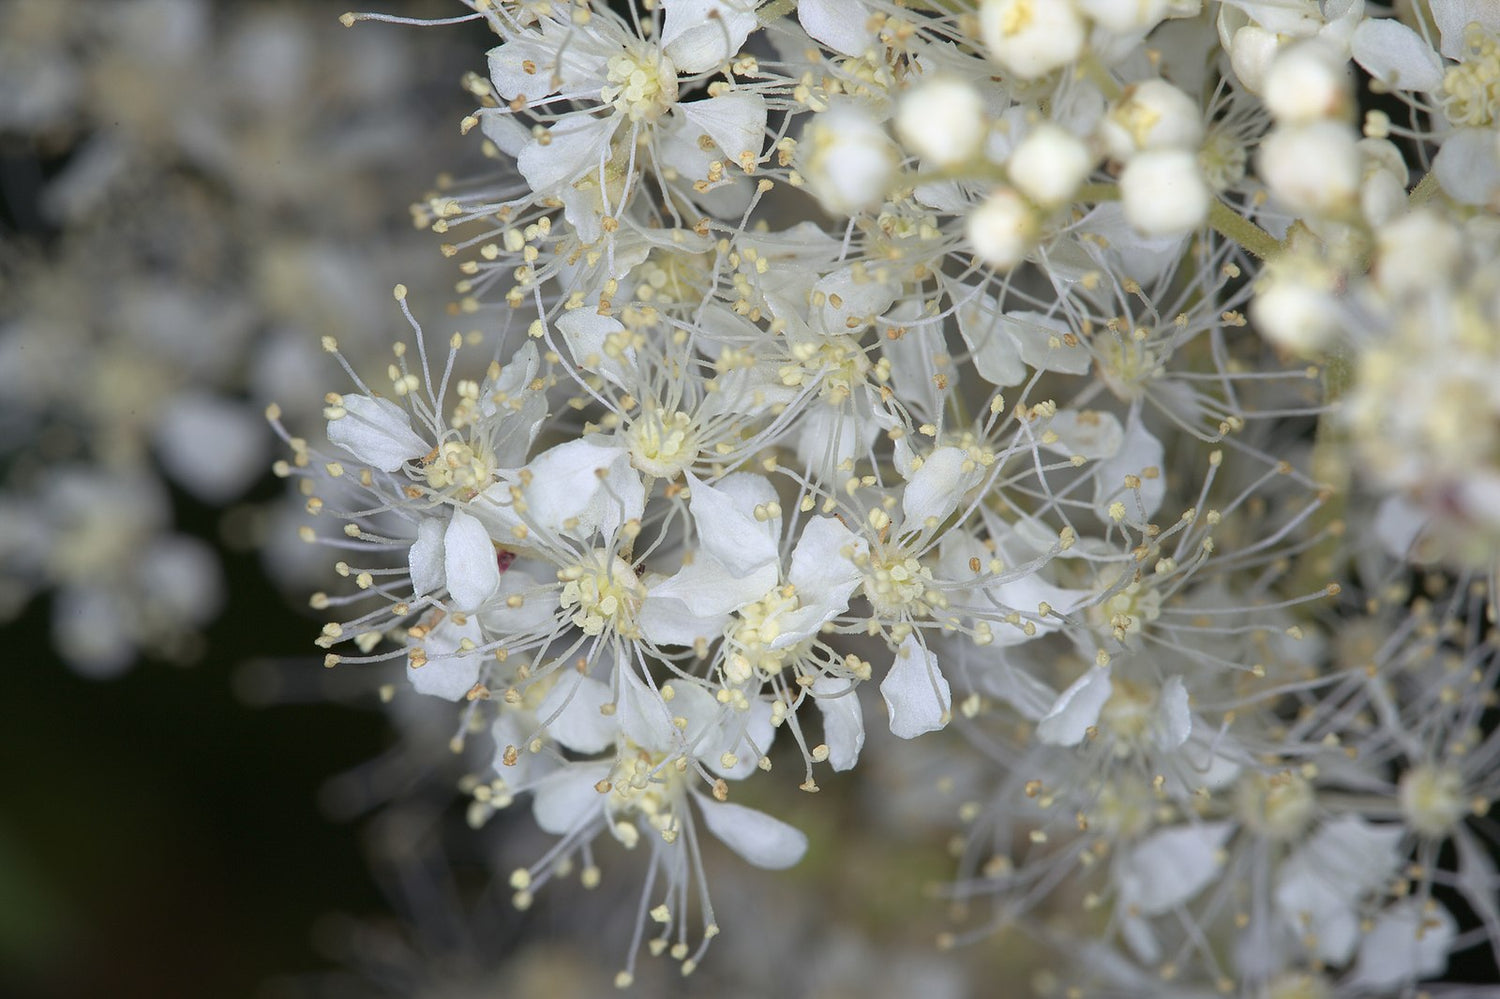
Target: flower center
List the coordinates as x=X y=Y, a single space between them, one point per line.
x=1471 y=90
x=458 y=466
x=602 y=592
x=896 y=582
x=1432 y=799
x=1277 y=806
x=643 y=784
x=757 y=626
x=837 y=361
x=662 y=444
x=1127 y=611
x=642 y=84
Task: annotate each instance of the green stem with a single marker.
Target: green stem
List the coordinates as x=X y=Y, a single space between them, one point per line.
x=1425 y=189
x=1235 y=227
x=775 y=10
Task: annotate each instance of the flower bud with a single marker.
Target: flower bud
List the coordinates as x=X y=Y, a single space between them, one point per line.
x=1251 y=50
x=942 y=121
x=1031 y=38
x=1164 y=193
x=1412 y=248
x=849 y=162
x=1312 y=169
x=1126 y=16
x=1306 y=83
x=1049 y=164
x=1294 y=308
x=1152 y=115
x=1003 y=229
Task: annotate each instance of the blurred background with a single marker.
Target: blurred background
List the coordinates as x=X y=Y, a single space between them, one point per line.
x=191 y=193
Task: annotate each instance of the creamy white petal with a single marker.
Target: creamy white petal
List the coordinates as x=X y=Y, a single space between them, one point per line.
x=935 y=490
x=839 y=24
x=1174 y=718
x=566 y=485
x=724 y=516
x=447 y=672
x=1091 y=433
x=469 y=562
x=573 y=149
x=425 y=557
x=1396 y=55
x=568 y=798
x=843 y=721
x=578 y=724
x=916 y=692
x=1406 y=944
x=698 y=35
x=736 y=121
x=1076 y=710
x=586 y=333
x=377 y=432
x=1140 y=454
x=1170 y=866
x=763 y=841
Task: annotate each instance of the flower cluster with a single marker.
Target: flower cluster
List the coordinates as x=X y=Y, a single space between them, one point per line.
x=849 y=368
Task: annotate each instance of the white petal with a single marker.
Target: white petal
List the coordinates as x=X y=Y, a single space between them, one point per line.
x=996 y=353
x=860 y=301
x=377 y=432
x=1319 y=887
x=746 y=735
x=1139 y=454
x=843 y=721
x=762 y=840
x=823 y=559
x=1091 y=433
x=1174 y=719
x=1076 y=710
x=565 y=484
x=1468 y=166
x=725 y=518
x=578 y=725
x=1396 y=55
x=574 y=148
x=425 y=557
x=568 y=798
x=936 y=488
x=839 y=24
x=447 y=673
x=706 y=590
x=916 y=693
x=469 y=561
x=698 y=35
x=643 y=716
x=1170 y=866
x=1405 y=944
x=1042 y=344
x=1453 y=18
x=585 y=332
x=736 y=121
x=502 y=128
x=558 y=63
